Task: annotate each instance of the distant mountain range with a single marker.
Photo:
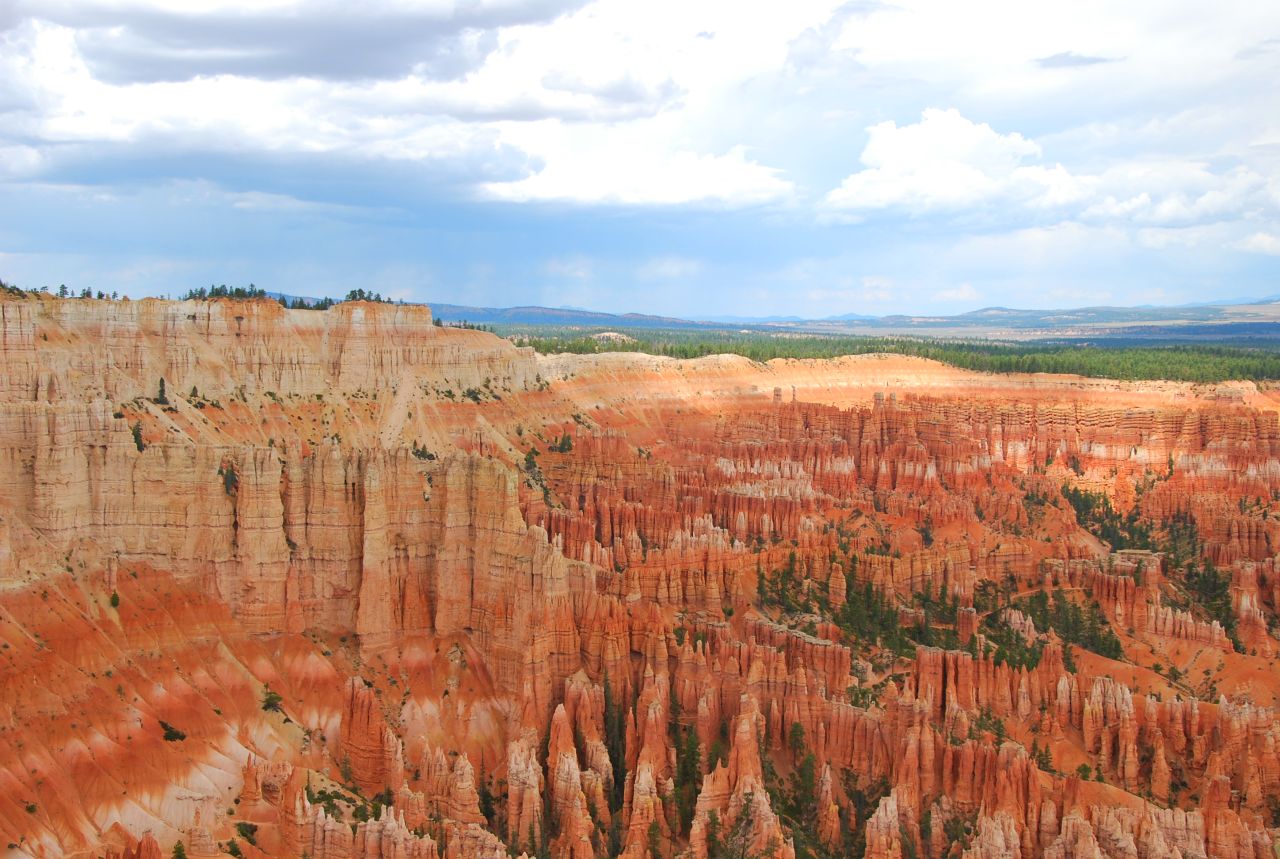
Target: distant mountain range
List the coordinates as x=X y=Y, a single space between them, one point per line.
x=1244 y=319
x=533 y=315
x=574 y=316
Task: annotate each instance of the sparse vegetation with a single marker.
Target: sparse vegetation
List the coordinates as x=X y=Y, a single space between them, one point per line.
x=1084 y=626
x=172 y=734
x=615 y=736
x=230 y=480
x=1096 y=515
x=247 y=831
x=1211 y=590
x=271 y=701
x=224 y=291
x=365 y=295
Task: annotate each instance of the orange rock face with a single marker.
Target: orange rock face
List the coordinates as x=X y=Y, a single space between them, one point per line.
x=360 y=586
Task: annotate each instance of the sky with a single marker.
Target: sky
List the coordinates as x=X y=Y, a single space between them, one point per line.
x=694 y=158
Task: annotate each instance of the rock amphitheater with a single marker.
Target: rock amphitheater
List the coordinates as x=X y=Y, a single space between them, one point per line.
x=354 y=585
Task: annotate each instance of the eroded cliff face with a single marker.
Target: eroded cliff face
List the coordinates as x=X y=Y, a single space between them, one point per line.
x=355 y=585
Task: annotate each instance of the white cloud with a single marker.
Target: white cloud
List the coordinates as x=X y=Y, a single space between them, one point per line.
x=1162 y=238
x=876 y=288
x=575 y=268
x=668 y=268
x=17 y=161
x=850 y=295
x=1047 y=162
x=989 y=50
x=946 y=161
x=1170 y=193
x=1040 y=248
x=632 y=92
x=631 y=174
x=948 y=164
x=1263 y=243
x=660 y=103
x=605 y=63
x=227 y=113
x=963 y=292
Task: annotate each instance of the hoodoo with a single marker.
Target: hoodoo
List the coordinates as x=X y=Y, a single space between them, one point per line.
x=347 y=584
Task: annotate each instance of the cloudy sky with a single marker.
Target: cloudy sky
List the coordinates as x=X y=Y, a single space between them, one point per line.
x=690 y=157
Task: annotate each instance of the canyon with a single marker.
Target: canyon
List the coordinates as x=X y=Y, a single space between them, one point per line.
x=348 y=584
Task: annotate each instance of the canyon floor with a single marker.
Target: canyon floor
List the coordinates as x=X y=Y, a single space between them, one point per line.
x=347 y=584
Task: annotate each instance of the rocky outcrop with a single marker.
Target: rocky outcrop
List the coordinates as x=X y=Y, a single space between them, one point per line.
x=311 y=830
x=734 y=803
x=568 y=803
x=524 y=794
x=448 y=791
x=371 y=753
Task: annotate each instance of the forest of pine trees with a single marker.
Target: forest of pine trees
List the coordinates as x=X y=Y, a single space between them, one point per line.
x=1189 y=363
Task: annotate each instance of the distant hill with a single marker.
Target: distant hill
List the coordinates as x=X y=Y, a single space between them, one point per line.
x=532 y=315
x=1252 y=319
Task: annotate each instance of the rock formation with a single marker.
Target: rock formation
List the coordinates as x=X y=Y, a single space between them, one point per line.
x=356 y=585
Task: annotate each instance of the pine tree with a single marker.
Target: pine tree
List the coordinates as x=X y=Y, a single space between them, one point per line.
x=616 y=743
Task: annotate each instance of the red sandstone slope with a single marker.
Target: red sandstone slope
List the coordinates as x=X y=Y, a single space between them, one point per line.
x=367 y=587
